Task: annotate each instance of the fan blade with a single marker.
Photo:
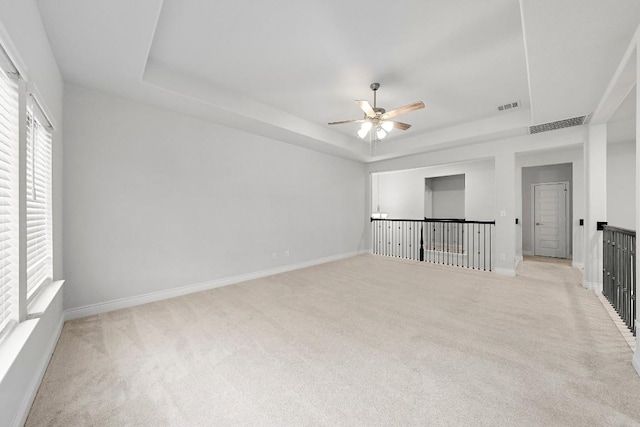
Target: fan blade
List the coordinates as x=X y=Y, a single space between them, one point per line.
x=366 y=107
x=411 y=107
x=400 y=125
x=347 y=121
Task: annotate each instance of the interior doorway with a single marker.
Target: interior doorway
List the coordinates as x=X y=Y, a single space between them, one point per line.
x=550 y=219
x=541 y=242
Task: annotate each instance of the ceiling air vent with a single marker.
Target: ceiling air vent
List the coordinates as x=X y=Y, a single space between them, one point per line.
x=567 y=123
x=509 y=106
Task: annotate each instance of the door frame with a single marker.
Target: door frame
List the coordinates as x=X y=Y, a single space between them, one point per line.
x=568 y=197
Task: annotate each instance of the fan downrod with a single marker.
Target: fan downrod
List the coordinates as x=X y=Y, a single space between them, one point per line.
x=379 y=111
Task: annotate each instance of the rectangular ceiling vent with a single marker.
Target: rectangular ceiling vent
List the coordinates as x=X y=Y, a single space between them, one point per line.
x=567 y=123
x=509 y=106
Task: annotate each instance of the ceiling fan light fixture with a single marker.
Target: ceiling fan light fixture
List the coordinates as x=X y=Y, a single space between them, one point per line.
x=366 y=126
x=375 y=118
x=387 y=126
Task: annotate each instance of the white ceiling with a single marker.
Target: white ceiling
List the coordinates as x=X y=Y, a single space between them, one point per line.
x=283 y=68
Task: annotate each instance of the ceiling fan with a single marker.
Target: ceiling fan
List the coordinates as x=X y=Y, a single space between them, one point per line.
x=376 y=119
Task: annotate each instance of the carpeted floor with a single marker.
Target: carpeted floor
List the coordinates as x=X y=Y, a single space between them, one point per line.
x=363 y=341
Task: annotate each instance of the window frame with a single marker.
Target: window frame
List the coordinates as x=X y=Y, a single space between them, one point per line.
x=25 y=298
x=10 y=295
x=39 y=154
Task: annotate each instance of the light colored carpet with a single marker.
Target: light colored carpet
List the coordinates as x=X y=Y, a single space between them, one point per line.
x=367 y=340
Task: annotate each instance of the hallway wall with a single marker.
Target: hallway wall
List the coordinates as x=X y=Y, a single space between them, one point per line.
x=621 y=184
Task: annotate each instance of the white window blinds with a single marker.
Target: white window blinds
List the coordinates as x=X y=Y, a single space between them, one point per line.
x=39 y=217
x=8 y=197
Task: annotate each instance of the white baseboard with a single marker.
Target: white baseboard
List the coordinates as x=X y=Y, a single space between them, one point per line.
x=636 y=360
x=505 y=271
x=592 y=286
x=578 y=265
x=92 y=309
x=527 y=253
x=38 y=375
x=518 y=259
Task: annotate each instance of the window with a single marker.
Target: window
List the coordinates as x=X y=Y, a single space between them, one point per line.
x=8 y=194
x=25 y=197
x=39 y=218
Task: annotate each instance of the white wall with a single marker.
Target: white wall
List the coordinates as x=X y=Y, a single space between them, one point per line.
x=401 y=193
x=447 y=197
x=155 y=200
x=621 y=189
x=25 y=352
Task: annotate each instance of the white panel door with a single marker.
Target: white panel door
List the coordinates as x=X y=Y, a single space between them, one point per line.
x=550 y=220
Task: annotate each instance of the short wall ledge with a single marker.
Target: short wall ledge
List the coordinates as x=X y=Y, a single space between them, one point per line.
x=43 y=299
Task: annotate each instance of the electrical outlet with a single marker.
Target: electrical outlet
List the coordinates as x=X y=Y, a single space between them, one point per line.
x=503 y=213
x=286 y=253
x=503 y=256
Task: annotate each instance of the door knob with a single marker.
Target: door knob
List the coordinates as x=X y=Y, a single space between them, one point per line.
x=537 y=223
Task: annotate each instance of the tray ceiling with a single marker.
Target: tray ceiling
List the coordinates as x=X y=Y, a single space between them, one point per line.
x=284 y=69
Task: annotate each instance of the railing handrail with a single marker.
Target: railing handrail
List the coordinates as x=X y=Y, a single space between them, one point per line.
x=449 y=220
x=396 y=219
x=619 y=230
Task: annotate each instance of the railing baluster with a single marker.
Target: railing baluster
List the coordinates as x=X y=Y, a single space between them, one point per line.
x=484 y=241
x=490 y=251
x=407 y=245
x=634 y=289
x=390 y=238
x=472 y=236
x=410 y=240
x=457 y=244
x=448 y=242
x=434 y=243
x=394 y=245
x=619 y=272
x=421 y=245
x=454 y=242
x=404 y=240
x=467 y=253
x=416 y=242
